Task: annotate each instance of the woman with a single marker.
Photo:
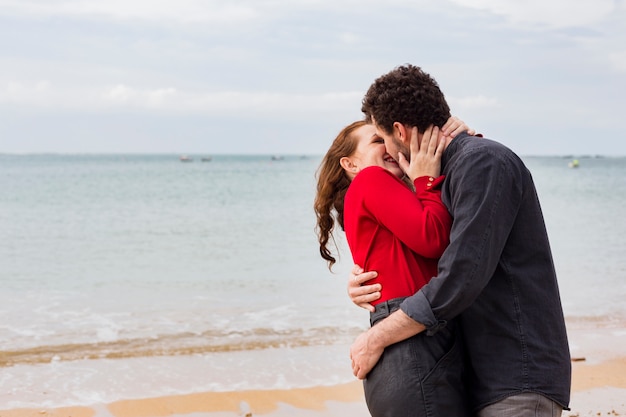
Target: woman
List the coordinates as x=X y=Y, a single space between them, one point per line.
x=398 y=230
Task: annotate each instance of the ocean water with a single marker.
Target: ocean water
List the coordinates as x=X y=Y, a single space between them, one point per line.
x=131 y=276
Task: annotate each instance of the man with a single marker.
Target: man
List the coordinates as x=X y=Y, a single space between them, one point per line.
x=497 y=274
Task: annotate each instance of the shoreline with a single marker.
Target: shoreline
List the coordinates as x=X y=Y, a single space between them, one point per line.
x=598 y=389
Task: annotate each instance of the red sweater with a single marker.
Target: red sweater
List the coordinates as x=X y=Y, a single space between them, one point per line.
x=398 y=233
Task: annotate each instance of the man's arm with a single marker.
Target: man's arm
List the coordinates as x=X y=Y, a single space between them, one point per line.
x=369 y=346
x=483 y=194
x=482 y=223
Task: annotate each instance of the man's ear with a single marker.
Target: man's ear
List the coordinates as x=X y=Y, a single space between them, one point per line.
x=401 y=132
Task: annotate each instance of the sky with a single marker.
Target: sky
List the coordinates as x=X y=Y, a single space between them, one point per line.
x=284 y=76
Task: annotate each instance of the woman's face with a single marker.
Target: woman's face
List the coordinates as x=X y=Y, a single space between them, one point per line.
x=371 y=151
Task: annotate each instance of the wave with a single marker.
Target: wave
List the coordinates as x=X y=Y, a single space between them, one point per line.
x=179 y=345
x=216 y=341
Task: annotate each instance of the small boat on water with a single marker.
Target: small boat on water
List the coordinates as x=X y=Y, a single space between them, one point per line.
x=206 y=159
x=185 y=158
x=277 y=158
x=573 y=164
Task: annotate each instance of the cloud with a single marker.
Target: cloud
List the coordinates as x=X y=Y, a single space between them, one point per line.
x=123 y=97
x=119 y=94
x=618 y=61
x=276 y=63
x=474 y=102
x=546 y=13
x=540 y=13
x=163 y=10
x=221 y=12
x=252 y=103
x=349 y=38
x=25 y=93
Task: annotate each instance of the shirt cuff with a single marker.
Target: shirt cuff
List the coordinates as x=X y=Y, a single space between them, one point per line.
x=428 y=183
x=418 y=308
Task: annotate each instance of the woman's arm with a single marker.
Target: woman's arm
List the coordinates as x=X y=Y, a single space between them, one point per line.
x=419 y=220
x=363 y=295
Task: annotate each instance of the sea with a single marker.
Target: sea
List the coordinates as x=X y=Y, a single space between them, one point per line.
x=138 y=276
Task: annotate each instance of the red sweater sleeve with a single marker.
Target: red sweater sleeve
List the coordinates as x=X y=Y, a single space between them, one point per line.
x=419 y=220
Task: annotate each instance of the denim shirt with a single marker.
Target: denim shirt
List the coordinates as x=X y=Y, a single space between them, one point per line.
x=497 y=276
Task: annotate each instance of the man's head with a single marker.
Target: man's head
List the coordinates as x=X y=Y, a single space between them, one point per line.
x=403 y=98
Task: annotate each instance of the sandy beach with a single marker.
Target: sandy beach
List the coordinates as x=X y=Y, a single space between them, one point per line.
x=598 y=389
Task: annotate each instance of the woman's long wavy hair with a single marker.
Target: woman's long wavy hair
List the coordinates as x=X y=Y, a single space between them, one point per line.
x=332 y=184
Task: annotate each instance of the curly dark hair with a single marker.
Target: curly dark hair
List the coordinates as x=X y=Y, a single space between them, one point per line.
x=407 y=95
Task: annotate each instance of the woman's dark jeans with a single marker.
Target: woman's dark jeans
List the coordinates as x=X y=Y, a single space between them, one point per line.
x=420 y=376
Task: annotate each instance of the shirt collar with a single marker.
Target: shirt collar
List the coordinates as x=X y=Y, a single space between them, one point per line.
x=452 y=148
